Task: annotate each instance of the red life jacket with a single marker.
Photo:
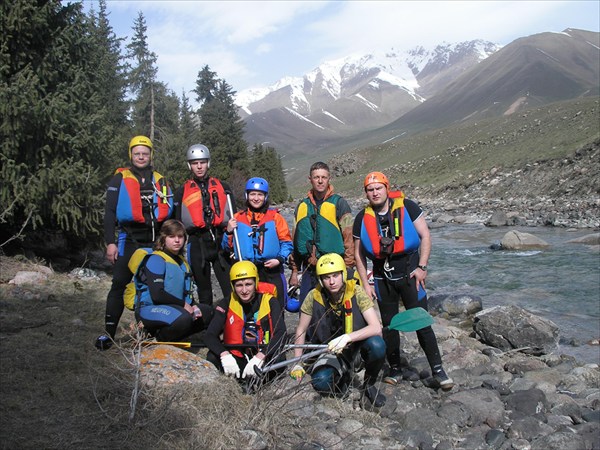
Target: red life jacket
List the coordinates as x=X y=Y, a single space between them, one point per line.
x=192 y=205
x=236 y=331
x=129 y=204
x=406 y=238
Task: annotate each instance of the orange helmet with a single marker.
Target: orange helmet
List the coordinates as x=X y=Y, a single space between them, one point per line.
x=377 y=177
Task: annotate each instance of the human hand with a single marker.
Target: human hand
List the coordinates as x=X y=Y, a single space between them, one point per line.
x=338 y=344
x=111 y=253
x=419 y=275
x=297 y=372
x=370 y=291
x=271 y=263
x=293 y=281
x=230 y=365
x=249 y=369
x=231 y=225
x=197 y=312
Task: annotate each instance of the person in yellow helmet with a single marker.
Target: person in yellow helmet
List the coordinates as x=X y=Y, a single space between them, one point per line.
x=391 y=231
x=339 y=313
x=138 y=201
x=251 y=323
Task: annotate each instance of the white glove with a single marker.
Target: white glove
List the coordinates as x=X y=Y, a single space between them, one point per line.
x=230 y=366
x=338 y=344
x=249 y=369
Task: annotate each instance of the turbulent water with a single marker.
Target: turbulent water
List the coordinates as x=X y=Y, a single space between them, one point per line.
x=561 y=283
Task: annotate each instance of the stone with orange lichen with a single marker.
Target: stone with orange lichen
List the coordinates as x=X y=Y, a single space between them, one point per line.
x=164 y=364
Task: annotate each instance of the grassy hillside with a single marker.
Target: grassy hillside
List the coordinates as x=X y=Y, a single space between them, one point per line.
x=441 y=157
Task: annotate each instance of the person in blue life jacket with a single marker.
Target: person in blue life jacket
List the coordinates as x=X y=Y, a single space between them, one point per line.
x=340 y=314
x=323 y=224
x=138 y=201
x=392 y=232
x=247 y=329
x=263 y=235
x=201 y=204
x=164 y=302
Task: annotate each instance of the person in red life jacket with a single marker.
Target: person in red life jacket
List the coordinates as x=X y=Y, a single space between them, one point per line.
x=339 y=313
x=138 y=201
x=263 y=235
x=249 y=321
x=164 y=302
x=201 y=204
x=323 y=224
x=392 y=232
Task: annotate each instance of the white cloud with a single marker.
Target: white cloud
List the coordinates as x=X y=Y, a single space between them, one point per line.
x=254 y=43
x=364 y=26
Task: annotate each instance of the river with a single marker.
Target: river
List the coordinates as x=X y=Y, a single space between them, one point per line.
x=560 y=283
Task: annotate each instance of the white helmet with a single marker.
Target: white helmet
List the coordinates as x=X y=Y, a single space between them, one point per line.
x=197 y=151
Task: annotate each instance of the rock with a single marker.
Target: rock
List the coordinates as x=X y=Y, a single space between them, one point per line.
x=588 y=239
x=559 y=441
x=529 y=402
x=528 y=428
x=455 y=305
x=168 y=365
x=28 y=277
x=510 y=327
x=516 y=240
x=498 y=219
x=483 y=405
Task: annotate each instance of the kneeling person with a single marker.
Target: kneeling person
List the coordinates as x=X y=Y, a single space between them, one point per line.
x=340 y=314
x=164 y=302
x=251 y=323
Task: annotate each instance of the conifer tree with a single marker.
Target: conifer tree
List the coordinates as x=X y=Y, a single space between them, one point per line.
x=142 y=78
x=222 y=129
x=266 y=163
x=112 y=84
x=51 y=112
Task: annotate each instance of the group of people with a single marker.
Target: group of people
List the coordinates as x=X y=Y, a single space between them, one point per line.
x=195 y=232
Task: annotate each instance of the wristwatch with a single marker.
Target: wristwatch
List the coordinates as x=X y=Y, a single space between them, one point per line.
x=422 y=267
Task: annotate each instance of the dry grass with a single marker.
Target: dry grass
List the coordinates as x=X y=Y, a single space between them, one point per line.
x=58 y=391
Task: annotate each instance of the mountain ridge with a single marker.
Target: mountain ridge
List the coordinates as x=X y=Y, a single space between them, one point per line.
x=530 y=71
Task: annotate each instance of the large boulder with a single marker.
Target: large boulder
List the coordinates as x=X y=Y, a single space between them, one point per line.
x=588 y=239
x=510 y=327
x=516 y=240
x=455 y=305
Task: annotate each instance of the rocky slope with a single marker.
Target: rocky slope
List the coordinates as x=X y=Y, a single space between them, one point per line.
x=558 y=192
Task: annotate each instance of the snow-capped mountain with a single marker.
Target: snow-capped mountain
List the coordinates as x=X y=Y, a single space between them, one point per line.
x=353 y=94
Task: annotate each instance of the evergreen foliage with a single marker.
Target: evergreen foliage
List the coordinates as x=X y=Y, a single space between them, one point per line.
x=53 y=118
x=65 y=119
x=266 y=163
x=221 y=130
x=142 y=72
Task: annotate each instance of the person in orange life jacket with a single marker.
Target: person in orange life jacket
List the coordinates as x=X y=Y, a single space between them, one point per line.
x=250 y=316
x=263 y=235
x=323 y=224
x=165 y=305
x=392 y=232
x=138 y=201
x=339 y=312
x=201 y=204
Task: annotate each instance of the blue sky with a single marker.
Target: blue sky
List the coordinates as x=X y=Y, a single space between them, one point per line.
x=255 y=43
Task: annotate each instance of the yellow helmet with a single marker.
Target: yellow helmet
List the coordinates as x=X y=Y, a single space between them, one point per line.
x=141 y=140
x=242 y=270
x=331 y=263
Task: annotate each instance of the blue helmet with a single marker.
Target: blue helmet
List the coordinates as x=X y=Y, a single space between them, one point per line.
x=292 y=304
x=258 y=184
